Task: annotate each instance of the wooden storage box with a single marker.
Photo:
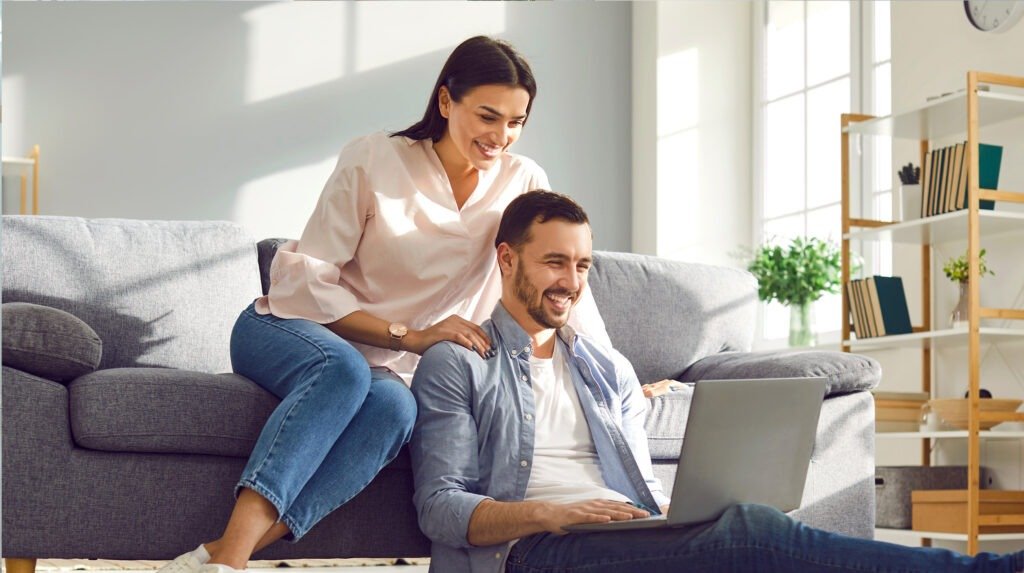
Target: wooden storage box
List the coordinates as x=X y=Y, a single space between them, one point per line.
x=899 y=411
x=945 y=510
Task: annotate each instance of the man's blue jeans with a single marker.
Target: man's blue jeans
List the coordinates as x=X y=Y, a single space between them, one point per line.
x=747 y=538
x=338 y=424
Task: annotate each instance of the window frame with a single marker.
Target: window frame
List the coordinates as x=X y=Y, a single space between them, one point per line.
x=862 y=89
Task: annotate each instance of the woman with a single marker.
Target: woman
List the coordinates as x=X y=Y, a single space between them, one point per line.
x=397 y=256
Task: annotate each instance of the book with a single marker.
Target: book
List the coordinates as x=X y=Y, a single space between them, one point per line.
x=926 y=181
x=940 y=179
x=876 y=308
x=858 y=327
x=949 y=205
x=869 y=316
x=893 y=301
x=947 y=178
x=990 y=158
x=960 y=201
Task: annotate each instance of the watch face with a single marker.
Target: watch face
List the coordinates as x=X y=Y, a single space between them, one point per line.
x=398 y=330
x=992 y=15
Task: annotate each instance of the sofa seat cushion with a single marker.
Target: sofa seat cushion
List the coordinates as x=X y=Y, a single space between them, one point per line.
x=666 y=423
x=48 y=342
x=164 y=410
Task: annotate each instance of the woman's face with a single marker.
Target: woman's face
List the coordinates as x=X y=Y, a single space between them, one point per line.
x=485 y=123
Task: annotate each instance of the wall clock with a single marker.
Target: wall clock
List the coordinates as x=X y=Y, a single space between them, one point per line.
x=993 y=15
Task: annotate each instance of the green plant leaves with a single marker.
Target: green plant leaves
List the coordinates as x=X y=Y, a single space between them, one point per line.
x=800 y=273
x=956 y=269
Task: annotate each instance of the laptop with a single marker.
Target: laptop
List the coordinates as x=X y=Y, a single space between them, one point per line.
x=746 y=441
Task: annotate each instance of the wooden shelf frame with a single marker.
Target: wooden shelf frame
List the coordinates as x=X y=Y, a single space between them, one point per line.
x=935 y=120
x=23 y=163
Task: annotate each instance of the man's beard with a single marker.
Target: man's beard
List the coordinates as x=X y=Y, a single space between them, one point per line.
x=527 y=294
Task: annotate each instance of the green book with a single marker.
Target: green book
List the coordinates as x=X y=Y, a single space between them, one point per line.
x=990 y=158
x=893 y=301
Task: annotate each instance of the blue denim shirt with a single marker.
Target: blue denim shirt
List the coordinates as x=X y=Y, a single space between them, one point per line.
x=474 y=434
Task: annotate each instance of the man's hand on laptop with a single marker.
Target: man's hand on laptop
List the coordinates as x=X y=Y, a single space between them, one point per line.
x=558 y=515
x=658 y=388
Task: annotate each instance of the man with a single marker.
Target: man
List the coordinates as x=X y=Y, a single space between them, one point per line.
x=547 y=431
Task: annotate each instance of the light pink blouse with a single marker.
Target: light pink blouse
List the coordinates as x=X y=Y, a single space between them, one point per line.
x=387 y=238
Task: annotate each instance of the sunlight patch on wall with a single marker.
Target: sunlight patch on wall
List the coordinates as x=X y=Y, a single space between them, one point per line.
x=678 y=100
x=678 y=171
x=13 y=102
x=392 y=32
x=294 y=46
x=679 y=198
x=279 y=204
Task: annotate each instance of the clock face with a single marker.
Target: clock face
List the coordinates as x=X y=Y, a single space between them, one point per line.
x=993 y=15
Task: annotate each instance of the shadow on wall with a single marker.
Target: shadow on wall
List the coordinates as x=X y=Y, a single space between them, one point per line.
x=238 y=110
x=126 y=339
x=262 y=95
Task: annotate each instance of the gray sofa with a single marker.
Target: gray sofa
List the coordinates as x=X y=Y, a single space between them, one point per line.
x=124 y=432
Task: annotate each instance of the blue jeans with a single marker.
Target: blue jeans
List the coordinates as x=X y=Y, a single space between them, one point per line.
x=745 y=538
x=338 y=424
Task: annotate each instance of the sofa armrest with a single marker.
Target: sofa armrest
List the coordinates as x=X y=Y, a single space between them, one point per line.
x=845 y=372
x=266 y=249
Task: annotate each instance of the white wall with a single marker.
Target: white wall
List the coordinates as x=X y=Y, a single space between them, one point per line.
x=692 y=129
x=200 y=110
x=933 y=46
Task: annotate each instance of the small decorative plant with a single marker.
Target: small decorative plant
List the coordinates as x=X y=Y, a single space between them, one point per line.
x=956 y=269
x=798 y=274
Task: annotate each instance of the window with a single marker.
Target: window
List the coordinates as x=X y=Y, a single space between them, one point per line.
x=817 y=60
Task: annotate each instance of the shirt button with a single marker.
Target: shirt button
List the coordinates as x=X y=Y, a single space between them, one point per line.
x=514 y=352
x=528 y=417
x=524 y=378
x=497 y=555
x=524 y=463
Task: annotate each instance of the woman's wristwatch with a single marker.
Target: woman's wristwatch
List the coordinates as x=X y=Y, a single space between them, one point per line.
x=397 y=332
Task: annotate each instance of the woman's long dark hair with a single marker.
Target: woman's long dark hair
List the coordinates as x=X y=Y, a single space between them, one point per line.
x=476 y=62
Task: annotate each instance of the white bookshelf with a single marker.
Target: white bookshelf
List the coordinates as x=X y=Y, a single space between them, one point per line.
x=941 y=228
x=945 y=338
x=942 y=117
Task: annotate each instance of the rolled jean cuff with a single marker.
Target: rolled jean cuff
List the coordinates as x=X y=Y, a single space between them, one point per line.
x=295 y=531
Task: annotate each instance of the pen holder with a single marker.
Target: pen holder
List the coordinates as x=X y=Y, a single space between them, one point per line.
x=908 y=202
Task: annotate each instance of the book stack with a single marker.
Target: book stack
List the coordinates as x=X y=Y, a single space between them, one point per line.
x=944 y=177
x=878 y=307
x=899 y=411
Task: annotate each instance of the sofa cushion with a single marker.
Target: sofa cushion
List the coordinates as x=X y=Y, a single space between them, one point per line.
x=162 y=410
x=843 y=372
x=48 y=342
x=159 y=293
x=665 y=315
x=666 y=423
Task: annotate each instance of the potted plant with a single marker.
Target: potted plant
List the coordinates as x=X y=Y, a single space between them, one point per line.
x=797 y=276
x=956 y=271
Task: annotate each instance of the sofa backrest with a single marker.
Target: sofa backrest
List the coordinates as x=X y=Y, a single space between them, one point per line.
x=664 y=315
x=158 y=293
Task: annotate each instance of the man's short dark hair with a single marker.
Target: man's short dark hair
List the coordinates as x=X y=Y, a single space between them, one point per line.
x=536 y=207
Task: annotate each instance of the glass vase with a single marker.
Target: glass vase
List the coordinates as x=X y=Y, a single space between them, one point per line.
x=961 y=313
x=801 y=325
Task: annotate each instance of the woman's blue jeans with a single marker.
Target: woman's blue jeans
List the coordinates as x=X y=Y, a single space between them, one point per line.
x=338 y=424
x=747 y=538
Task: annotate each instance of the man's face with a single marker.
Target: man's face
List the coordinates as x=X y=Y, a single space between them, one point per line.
x=550 y=271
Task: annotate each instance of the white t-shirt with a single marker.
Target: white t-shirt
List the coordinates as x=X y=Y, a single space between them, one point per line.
x=565 y=464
